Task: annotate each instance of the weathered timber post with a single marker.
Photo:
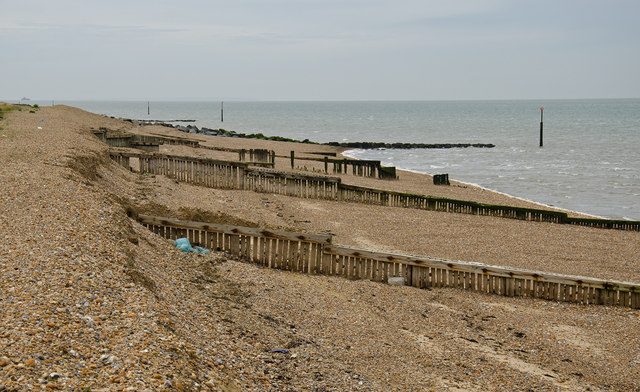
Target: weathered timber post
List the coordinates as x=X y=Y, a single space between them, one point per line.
x=292 y=159
x=326 y=164
x=541 y=113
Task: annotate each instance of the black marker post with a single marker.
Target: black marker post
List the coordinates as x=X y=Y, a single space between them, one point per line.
x=541 y=112
x=221 y=111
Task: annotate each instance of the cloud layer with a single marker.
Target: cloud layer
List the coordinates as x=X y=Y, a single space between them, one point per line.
x=312 y=49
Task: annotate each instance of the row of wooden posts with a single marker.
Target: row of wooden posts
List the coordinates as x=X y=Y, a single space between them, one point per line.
x=238 y=175
x=142 y=142
x=315 y=254
x=258 y=156
x=362 y=168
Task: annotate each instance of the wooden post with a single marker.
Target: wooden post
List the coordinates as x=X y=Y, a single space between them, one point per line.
x=292 y=159
x=541 y=113
x=148 y=108
x=221 y=111
x=326 y=164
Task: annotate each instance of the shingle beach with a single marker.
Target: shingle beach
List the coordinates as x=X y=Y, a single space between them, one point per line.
x=90 y=300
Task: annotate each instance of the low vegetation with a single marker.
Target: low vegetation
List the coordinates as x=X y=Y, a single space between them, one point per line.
x=4 y=109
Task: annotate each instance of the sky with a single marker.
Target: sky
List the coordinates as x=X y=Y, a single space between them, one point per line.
x=319 y=49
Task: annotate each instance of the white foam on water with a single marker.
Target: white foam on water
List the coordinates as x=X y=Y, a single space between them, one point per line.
x=353 y=154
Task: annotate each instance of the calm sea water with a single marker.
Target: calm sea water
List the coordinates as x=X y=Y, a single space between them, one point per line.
x=589 y=163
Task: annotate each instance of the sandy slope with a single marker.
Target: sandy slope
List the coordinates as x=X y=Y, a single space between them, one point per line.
x=90 y=299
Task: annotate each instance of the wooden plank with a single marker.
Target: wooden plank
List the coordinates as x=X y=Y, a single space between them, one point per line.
x=424 y=276
x=566 y=295
x=273 y=252
x=580 y=294
x=598 y=297
x=313 y=256
x=321 y=238
x=494 y=284
x=254 y=248
x=304 y=256
x=245 y=247
x=473 y=281
x=624 y=299
x=263 y=252
x=481 y=268
x=635 y=300
x=346 y=266
x=503 y=286
x=613 y=297
x=510 y=287
x=319 y=255
x=234 y=245
x=409 y=276
x=517 y=288
x=280 y=256
x=294 y=255
x=375 y=271
x=338 y=268
x=593 y=295
x=290 y=176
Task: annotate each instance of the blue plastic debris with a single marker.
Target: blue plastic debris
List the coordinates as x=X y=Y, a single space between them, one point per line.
x=184 y=245
x=200 y=250
x=280 y=350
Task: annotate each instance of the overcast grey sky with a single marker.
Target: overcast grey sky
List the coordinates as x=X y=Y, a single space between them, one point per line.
x=319 y=49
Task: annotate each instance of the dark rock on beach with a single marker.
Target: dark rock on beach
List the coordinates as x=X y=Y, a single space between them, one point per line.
x=360 y=145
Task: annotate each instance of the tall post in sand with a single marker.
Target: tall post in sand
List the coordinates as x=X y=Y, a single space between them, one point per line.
x=541 y=113
x=221 y=111
x=148 y=108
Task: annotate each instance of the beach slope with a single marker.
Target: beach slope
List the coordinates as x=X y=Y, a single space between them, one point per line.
x=91 y=300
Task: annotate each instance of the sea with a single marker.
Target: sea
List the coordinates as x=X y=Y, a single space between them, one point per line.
x=589 y=162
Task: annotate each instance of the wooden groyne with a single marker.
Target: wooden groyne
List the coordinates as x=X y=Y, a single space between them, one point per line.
x=259 y=156
x=142 y=142
x=316 y=254
x=238 y=175
x=357 y=167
